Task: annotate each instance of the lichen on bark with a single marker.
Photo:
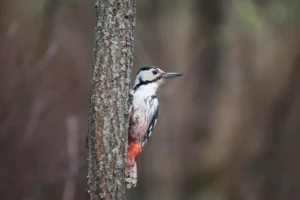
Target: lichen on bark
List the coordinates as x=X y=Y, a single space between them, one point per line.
x=107 y=134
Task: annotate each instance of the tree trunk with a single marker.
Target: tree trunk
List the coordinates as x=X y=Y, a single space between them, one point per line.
x=107 y=135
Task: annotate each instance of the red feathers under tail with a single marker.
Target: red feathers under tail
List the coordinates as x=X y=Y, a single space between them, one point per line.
x=131 y=168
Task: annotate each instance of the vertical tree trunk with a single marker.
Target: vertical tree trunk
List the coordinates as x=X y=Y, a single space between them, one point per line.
x=107 y=135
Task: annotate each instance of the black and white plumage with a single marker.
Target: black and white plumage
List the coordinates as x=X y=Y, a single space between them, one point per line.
x=143 y=114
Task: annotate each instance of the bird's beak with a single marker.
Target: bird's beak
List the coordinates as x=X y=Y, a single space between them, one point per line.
x=171 y=75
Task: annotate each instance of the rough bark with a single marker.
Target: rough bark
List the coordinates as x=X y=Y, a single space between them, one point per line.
x=107 y=135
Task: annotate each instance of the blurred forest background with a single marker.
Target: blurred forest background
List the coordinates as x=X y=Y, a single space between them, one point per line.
x=229 y=129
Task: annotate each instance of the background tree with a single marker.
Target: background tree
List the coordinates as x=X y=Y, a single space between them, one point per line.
x=107 y=136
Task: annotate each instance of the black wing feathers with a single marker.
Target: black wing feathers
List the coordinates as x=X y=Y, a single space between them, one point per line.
x=151 y=126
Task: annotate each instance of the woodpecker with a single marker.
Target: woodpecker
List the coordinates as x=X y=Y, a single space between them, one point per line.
x=143 y=115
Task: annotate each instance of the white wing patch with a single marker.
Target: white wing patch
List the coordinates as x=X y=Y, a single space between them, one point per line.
x=154 y=113
x=152 y=126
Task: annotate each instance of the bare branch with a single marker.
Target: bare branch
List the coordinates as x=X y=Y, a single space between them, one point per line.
x=72 y=123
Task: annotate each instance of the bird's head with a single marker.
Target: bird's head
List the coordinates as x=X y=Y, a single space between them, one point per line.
x=150 y=78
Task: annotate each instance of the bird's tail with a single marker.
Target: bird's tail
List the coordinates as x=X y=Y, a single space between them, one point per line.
x=131 y=177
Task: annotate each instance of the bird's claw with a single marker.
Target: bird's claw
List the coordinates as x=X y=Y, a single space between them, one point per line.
x=129 y=111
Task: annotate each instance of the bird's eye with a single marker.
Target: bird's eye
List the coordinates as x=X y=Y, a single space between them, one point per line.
x=154 y=71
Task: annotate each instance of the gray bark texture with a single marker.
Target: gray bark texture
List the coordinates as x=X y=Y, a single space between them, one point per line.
x=107 y=134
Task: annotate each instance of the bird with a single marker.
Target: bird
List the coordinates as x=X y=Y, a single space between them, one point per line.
x=143 y=115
